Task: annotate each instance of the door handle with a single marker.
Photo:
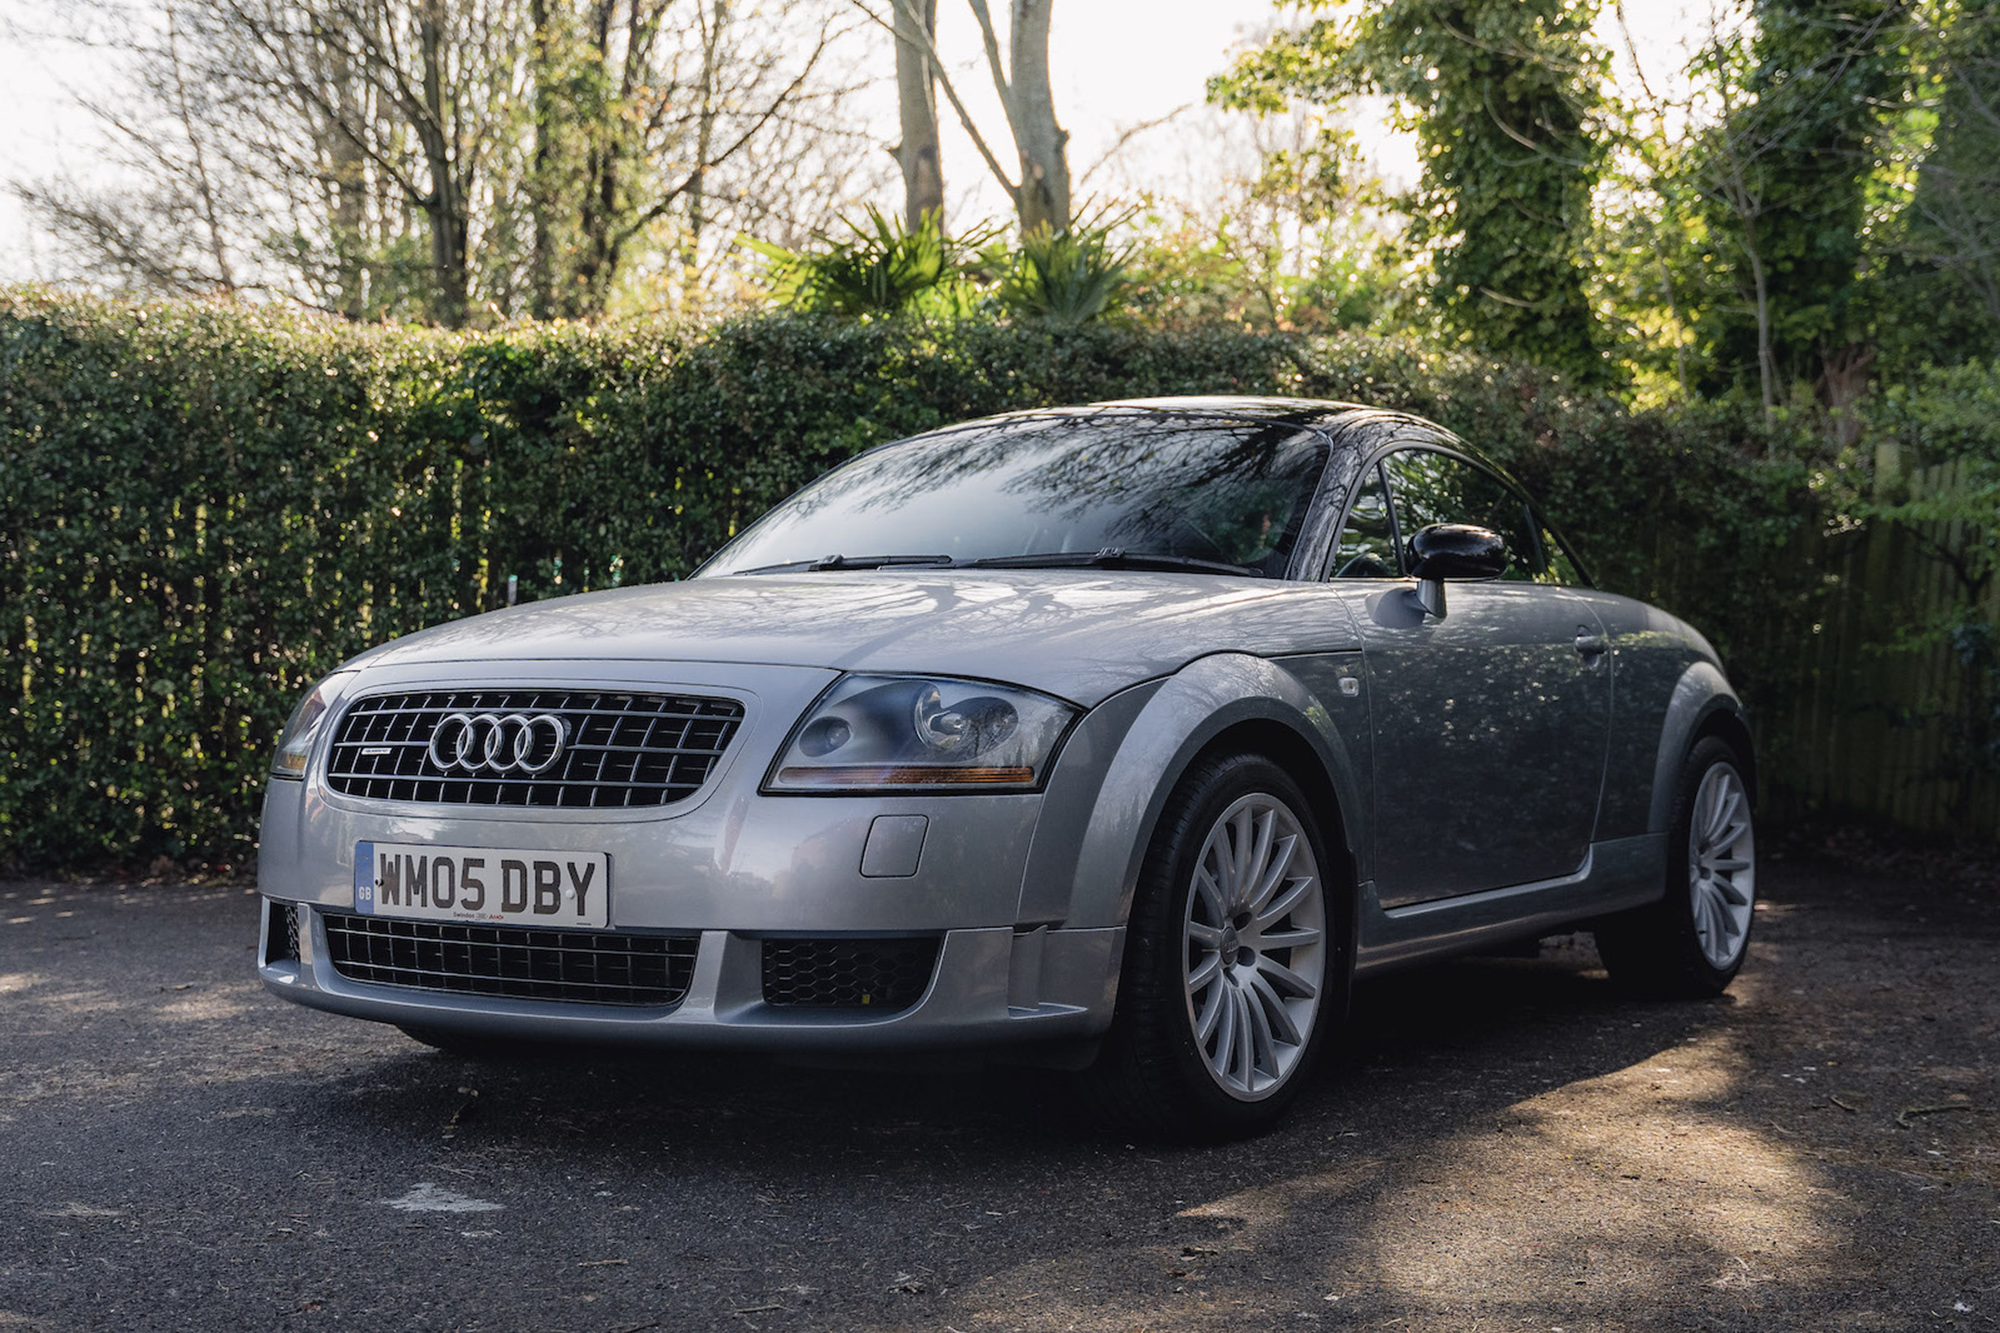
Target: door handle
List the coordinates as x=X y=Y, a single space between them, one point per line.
x=1590 y=645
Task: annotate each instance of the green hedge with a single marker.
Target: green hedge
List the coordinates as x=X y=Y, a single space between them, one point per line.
x=202 y=507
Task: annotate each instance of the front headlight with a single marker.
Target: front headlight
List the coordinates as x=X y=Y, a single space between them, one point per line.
x=908 y=733
x=295 y=741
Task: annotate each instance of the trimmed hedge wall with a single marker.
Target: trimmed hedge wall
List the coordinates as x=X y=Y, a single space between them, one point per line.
x=202 y=508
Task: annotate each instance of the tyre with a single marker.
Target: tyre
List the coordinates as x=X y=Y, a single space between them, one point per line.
x=1235 y=966
x=1693 y=941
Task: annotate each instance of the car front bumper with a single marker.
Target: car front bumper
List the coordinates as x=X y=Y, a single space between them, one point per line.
x=989 y=986
x=727 y=872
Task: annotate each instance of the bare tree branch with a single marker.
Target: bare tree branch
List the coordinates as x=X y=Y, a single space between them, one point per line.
x=951 y=95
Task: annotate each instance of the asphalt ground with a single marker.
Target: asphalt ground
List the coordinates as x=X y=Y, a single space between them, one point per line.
x=1504 y=1144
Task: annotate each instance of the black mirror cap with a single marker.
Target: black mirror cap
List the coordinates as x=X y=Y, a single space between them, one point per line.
x=1457 y=551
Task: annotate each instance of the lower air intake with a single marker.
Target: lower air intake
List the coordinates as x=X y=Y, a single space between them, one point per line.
x=281 y=942
x=582 y=967
x=876 y=974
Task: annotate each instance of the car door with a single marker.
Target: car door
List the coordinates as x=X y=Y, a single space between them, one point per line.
x=1491 y=722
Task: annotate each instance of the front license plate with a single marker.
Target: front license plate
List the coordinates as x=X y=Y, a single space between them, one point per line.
x=554 y=889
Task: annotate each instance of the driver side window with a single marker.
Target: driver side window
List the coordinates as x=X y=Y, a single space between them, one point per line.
x=1431 y=487
x=1367 y=547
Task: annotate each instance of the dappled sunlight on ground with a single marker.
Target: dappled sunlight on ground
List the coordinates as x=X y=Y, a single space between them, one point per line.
x=1577 y=1206
x=1634 y=1194
x=1504 y=1144
x=207 y=1008
x=61 y=1005
x=199 y=980
x=1701 y=1180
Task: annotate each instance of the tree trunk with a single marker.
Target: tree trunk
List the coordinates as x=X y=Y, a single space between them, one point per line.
x=542 y=187
x=445 y=205
x=598 y=244
x=704 y=142
x=205 y=189
x=350 y=185
x=1843 y=383
x=1767 y=370
x=1043 y=144
x=916 y=101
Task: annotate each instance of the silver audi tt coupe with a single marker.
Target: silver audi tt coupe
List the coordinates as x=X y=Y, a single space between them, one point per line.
x=1121 y=737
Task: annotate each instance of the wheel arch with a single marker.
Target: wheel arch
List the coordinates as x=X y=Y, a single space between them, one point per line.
x=1703 y=704
x=1731 y=727
x=1286 y=746
x=1224 y=702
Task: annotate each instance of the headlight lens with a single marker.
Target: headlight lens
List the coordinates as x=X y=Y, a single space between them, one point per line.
x=906 y=733
x=295 y=741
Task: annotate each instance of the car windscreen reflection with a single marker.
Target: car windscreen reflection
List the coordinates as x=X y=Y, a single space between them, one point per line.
x=1230 y=493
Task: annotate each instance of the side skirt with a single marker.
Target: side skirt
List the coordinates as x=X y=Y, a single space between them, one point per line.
x=1614 y=876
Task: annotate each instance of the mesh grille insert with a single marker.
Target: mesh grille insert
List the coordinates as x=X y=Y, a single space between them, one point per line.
x=619 y=750
x=585 y=967
x=884 y=974
x=281 y=943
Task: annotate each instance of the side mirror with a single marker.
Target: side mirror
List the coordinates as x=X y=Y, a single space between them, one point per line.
x=1453 y=551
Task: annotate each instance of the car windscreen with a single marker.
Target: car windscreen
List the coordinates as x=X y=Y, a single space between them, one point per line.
x=1107 y=488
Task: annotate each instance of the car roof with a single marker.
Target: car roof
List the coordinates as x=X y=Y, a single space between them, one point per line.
x=1331 y=419
x=1286 y=411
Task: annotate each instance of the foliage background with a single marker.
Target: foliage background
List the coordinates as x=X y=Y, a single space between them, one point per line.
x=203 y=507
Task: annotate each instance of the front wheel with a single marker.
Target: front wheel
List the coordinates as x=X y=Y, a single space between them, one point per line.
x=1232 y=963
x=1693 y=941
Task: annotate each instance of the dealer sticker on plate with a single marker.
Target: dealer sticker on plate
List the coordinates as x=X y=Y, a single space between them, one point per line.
x=525 y=888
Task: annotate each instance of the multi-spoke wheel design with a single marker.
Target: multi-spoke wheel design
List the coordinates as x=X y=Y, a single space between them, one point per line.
x=1255 y=932
x=1721 y=865
x=1236 y=959
x=1694 y=939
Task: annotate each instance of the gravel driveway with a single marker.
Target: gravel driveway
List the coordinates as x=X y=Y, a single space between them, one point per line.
x=1507 y=1145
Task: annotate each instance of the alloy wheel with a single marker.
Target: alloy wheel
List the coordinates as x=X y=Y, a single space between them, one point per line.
x=1255 y=946
x=1722 y=865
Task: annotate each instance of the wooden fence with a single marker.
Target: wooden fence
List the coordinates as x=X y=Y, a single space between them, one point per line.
x=1888 y=719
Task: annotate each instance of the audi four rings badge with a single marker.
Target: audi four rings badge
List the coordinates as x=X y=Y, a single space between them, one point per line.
x=497 y=742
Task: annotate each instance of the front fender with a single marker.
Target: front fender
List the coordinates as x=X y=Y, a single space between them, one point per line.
x=1116 y=774
x=1700 y=696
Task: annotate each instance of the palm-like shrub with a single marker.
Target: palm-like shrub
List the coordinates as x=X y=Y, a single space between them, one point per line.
x=883 y=268
x=1064 y=279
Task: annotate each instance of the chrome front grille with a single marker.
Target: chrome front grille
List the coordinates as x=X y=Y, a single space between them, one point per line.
x=620 y=750
x=585 y=967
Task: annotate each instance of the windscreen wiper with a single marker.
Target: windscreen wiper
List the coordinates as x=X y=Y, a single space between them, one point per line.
x=1111 y=557
x=852 y=562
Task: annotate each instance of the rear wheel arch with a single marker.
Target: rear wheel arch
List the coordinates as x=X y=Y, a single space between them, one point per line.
x=1728 y=726
x=1693 y=940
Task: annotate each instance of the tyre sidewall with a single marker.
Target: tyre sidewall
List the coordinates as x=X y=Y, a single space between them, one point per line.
x=1703 y=756
x=1156 y=1010
x=1656 y=950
